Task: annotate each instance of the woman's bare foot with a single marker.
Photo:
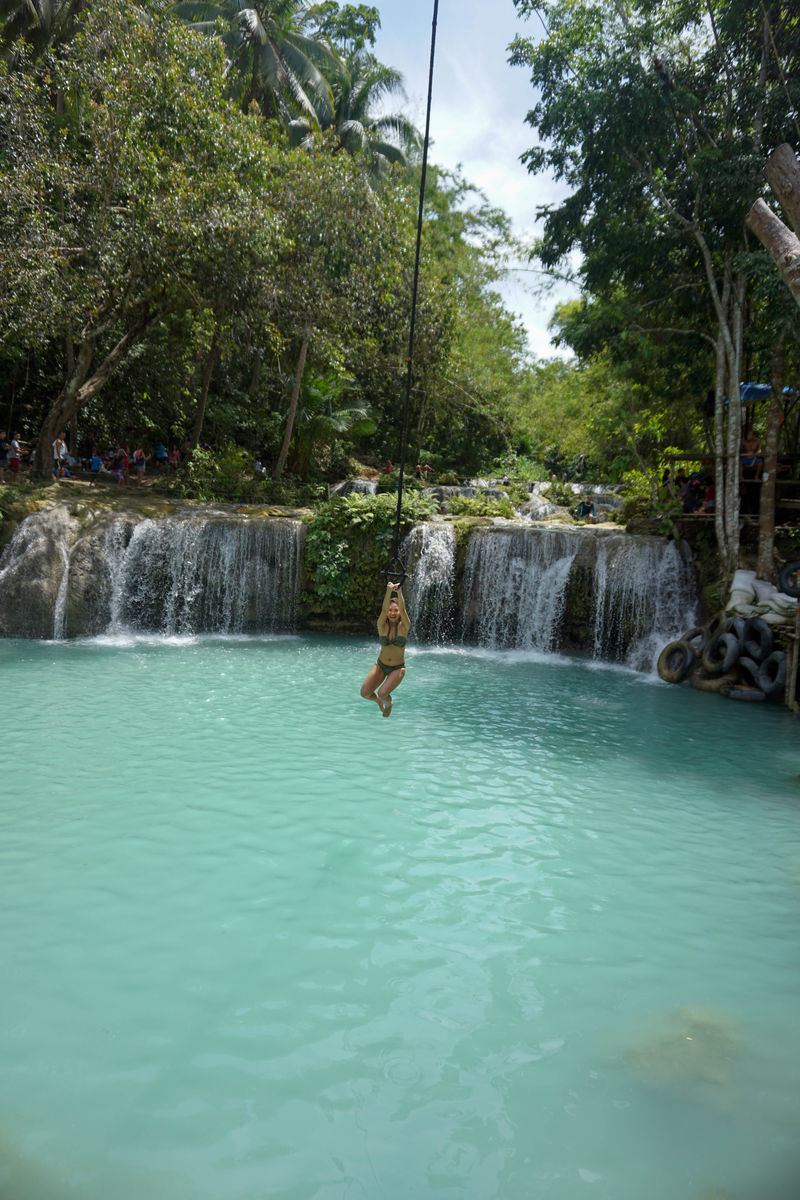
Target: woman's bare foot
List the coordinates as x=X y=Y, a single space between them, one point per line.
x=385 y=703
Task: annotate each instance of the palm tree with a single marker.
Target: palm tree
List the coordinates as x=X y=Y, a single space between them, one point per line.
x=40 y=23
x=359 y=87
x=282 y=69
x=324 y=415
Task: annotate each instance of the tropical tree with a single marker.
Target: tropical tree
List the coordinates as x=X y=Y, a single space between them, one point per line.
x=277 y=65
x=360 y=84
x=38 y=23
x=342 y=276
x=348 y=27
x=158 y=209
x=656 y=117
x=328 y=411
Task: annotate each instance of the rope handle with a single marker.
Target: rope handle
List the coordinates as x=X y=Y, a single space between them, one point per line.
x=395 y=570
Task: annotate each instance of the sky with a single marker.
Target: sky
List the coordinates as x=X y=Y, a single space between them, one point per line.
x=477 y=118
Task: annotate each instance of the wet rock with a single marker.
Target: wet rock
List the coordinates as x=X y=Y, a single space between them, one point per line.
x=691 y=1050
x=32 y=569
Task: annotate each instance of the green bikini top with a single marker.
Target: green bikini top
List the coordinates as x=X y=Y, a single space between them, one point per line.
x=395 y=641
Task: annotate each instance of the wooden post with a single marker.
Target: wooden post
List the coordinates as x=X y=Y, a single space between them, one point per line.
x=791 y=677
x=783 y=245
x=766 y=520
x=782 y=172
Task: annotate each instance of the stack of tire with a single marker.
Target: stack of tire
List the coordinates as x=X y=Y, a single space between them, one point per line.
x=734 y=656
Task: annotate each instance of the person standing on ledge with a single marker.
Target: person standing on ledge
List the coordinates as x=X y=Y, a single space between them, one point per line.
x=393 y=629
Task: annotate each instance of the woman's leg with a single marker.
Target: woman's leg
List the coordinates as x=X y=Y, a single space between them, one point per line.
x=371 y=684
x=391 y=681
x=387 y=687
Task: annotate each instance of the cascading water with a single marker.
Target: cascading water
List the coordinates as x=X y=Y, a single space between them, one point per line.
x=432 y=549
x=515 y=583
x=364 y=487
x=60 y=610
x=617 y=597
x=644 y=597
x=200 y=575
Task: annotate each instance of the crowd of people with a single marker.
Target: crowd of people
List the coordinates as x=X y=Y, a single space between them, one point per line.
x=697 y=491
x=117 y=464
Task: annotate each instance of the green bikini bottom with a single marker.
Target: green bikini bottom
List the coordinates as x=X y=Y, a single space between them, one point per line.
x=388 y=670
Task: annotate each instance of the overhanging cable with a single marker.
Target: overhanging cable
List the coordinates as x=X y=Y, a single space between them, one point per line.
x=412 y=325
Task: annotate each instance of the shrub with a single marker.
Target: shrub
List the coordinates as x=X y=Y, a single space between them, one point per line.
x=479 y=506
x=560 y=494
x=350 y=540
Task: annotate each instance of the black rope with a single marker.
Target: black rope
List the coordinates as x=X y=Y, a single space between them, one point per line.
x=404 y=439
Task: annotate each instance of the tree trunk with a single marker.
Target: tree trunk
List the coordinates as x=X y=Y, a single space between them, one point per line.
x=719 y=445
x=782 y=173
x=783 y=245
x=766 y=519
x=728 y=304
x=733 y=357
x=205 y=386
x=298 y=379
x=73 y=429
x=81 y=386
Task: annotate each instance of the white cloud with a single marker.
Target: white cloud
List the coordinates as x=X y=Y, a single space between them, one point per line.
x=477 y=116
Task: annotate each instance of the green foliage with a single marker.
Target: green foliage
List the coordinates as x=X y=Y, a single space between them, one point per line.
x=560 y=494
x=479 y=506
x=228 y=475
x=350 y=540
x=166 y=254
x=346 y=25
x=210 y=476
x=277 y=68
x=519 y=467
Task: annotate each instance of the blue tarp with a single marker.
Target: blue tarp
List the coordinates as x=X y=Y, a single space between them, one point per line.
x=749 y=392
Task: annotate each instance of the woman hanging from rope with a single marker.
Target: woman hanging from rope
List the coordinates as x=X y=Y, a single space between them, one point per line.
x=393 y=628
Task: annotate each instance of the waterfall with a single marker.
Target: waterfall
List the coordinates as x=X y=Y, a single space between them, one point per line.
x=365 y=487
x=515 y=582
x=60 y=609
x=612 y=595
x=432 y=549
x=201 y=575
x=644 y=597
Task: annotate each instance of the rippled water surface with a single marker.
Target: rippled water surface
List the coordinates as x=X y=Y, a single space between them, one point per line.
x=534 y=936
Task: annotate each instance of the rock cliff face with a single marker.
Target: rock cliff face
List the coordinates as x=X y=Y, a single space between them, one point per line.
x=83 y=570
x=32 y=570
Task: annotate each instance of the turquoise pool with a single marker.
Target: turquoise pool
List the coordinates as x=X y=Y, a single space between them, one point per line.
x=534 y=936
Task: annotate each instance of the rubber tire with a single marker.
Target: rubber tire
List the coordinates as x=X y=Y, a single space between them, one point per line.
x=706 y=683
x=721 y=654
x=749 y=671
x=738 y=625
x=699 y=633
x=772 y=682
x=790 y=579
x=676 y=661
x=758 y=647
x=742 y=693
x=719 y=623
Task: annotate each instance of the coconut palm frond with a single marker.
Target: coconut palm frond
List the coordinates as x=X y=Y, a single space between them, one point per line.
x=252 y=27
x=400 y=128
x=299 y=130
x=389 y=151
x=315 y=86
